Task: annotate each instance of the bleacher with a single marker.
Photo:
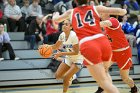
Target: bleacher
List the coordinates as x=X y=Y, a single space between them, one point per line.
x=32 y=68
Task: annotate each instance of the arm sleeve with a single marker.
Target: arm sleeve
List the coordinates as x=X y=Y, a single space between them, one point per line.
x=6 y=38
x=115 y=22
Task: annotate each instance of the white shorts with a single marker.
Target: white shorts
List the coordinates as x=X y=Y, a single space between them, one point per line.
x=69 y=60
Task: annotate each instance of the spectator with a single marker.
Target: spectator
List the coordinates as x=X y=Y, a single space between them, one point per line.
x=107 y=3
x=100 y=2
x=51 y=29
x=96 y=2
x=34 y=10
x=5 y=44
x=138 y=44
x=59 y=6
x=3 y=3
x=136 y=25
x=36 y=32
x=49 y=7
x=91 y=2
x=132 y=4
x=124 y=6
x=14 y=15
x=3 y=20
x=25 y=8
x=128 y=30
x=68 y=4
x=74 y=4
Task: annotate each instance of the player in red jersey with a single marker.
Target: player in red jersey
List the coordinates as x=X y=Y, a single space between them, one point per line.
x=94 y=46
x=120 y=48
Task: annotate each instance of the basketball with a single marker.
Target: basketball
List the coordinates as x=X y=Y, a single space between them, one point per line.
x=45 y=51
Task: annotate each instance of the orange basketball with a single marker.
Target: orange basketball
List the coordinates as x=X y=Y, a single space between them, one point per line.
x=45 y=51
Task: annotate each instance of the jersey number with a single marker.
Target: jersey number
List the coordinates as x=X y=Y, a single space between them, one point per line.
x=109 y=38
x=88 y=18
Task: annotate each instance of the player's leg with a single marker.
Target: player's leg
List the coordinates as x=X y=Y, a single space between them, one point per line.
x=62 y=69
x=128 y=80
x=68 y=76
x=124 y=63
x=98 y=73
x=106 y=66
x=95 y=52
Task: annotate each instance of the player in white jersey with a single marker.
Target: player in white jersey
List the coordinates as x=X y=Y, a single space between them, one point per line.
x=73 y=60
x=68 y=44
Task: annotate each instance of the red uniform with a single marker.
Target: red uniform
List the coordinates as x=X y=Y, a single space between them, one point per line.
x=94 y=46
x=121 y=49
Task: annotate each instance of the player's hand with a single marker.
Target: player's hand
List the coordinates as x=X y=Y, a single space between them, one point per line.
x=44 y=45
x=55 y=15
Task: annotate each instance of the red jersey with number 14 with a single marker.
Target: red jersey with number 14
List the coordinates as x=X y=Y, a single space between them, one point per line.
x=85 y=21
x=116 y=34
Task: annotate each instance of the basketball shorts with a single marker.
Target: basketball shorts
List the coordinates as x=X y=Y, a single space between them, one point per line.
x=96 y=49
x=123 y=58
x=78 y=61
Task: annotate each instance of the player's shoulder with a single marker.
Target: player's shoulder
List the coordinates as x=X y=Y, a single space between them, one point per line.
x=72 y=33
x=115 y=22
x=112 y=19
x=62 y=34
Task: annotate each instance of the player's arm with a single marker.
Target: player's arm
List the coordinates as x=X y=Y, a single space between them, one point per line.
x=111 y=10
x=60 y=18
x=74 y=52
x=105 y=23
x=111 y=22
x=57 y=45
x=55 y=25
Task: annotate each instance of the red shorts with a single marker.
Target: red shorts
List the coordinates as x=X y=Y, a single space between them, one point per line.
x=96 y=50
x=123 y=59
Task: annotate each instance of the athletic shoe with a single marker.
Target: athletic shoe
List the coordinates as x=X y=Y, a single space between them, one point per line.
x=75 y=81
x=16 y=58
x=100 y=90
x=134 y=89
x=1 y=59
x=72 y=78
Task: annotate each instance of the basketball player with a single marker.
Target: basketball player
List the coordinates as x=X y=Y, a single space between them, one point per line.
x=73 y=60
x=94 y=46
x=120 y=48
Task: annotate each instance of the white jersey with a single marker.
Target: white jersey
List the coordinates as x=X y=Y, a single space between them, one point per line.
x=68 y=45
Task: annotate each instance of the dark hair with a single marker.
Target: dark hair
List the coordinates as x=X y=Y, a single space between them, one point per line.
x=74 y=4
x=81 y=2
x=115 y=16
x=49 y=17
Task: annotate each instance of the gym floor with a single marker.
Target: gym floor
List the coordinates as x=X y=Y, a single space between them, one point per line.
x=74 y=88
